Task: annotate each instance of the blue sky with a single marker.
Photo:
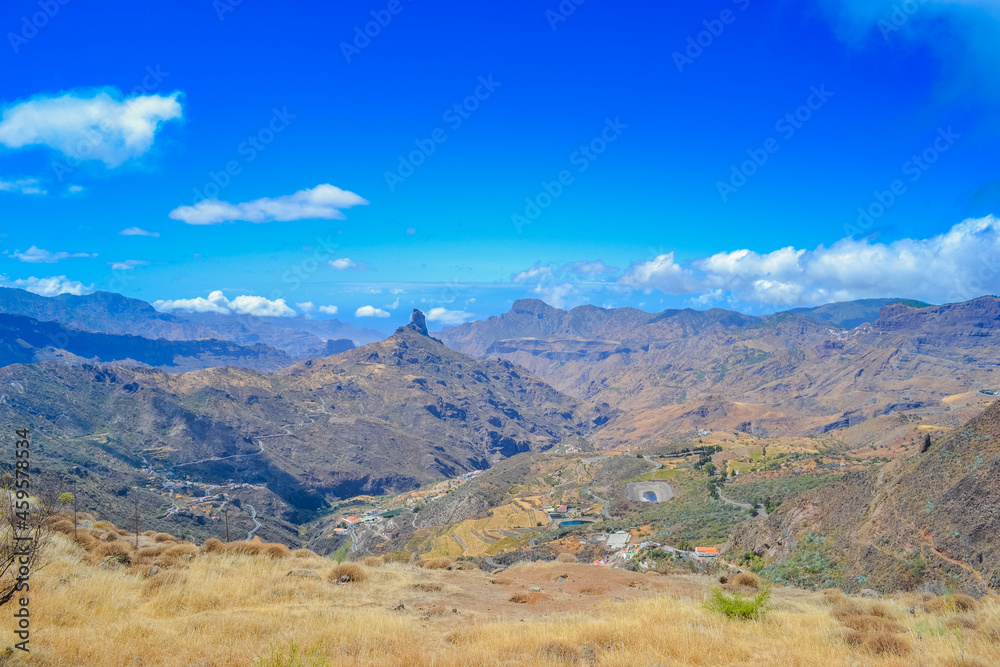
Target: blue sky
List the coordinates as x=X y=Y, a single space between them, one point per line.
x=594 y=156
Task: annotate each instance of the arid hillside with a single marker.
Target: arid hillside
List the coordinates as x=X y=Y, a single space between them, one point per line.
x=385 y=417
x=784 y=374
x=927 y=520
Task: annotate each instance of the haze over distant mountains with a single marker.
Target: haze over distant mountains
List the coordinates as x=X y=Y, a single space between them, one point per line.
x=265 y=343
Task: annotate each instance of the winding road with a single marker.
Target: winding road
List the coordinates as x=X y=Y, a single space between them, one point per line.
x=253 y=515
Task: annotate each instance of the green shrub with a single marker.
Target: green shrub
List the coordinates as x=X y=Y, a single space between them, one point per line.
x=738 y=605
x=293 y=656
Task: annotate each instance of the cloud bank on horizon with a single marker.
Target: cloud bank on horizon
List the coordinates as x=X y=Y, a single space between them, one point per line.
x=961 y=264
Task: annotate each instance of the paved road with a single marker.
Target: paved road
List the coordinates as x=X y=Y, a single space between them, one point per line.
x=604 y=510
x=253 y=515
x=746 y=506
x=655 y=463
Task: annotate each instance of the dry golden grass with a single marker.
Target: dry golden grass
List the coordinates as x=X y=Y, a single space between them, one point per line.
x=228 y=609
x=436 y=563
x=566 y=558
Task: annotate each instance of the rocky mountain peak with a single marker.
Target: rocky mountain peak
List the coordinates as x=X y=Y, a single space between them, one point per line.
x=418 y=323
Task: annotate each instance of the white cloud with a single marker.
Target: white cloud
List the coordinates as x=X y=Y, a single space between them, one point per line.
x=218 y=303
x=36 y=255
x=137 y=231
x=306 y=306
x=960 y=264
x=370 y=311
x=329 y=310
x=323 y=201
x=448 y=317
x=89 y=125
x=394 y=305
x=661 y=273
x=342 y=264
x=52 y=286
x=537 y=272
x=76 y=189
x=127 y=265
x=557 y=296
x=24 y=186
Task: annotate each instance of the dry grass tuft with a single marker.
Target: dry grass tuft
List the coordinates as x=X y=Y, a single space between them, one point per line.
x=152 y=551
x=213 y=545
x=743 y=580
x=275 y=550
x=868 y=623
x=86 y=540
x=435 y=563
x=244 y=548
x=559 y=650
x=61 y=524
x=566 y=557
x=370 y=561
x=182 y=549
x=520 y=598
x=352 y=571
x=963 y=602
x=305 y=553
x=835 y=596
x=888 y=643
x=164 y=537
x=164 y=579
x=427 y=586
x=943 y=604
x=118 y=549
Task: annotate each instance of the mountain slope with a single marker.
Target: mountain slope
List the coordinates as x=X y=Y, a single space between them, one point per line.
x=931 y=519
x=387 y=416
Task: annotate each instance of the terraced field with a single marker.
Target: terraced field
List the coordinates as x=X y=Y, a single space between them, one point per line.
x=507 y=527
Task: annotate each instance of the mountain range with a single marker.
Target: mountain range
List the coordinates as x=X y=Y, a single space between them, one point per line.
x=107 y=312
x=385 y=417
x=783 y=374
